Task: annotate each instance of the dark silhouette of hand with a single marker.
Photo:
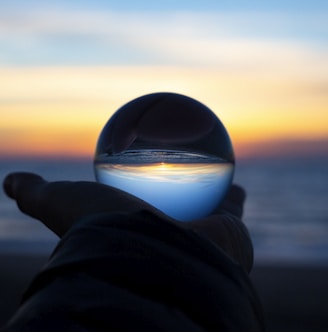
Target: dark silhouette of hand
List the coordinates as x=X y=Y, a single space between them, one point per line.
x=59 y=205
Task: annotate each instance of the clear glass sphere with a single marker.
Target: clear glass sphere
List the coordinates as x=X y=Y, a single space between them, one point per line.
x=169 y=150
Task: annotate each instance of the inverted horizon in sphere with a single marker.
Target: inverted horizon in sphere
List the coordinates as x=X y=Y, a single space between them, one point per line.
x=182 y=191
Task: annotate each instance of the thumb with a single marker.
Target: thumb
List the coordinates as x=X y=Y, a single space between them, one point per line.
x=234 y=201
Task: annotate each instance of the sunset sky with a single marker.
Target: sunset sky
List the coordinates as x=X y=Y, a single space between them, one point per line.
x=66 y=66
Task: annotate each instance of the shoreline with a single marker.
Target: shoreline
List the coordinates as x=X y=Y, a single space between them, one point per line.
x=294 y=297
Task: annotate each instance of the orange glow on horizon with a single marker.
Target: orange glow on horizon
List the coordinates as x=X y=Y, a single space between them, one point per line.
x=61 y=111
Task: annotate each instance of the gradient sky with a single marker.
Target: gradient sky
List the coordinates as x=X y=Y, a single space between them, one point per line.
x=66 y=66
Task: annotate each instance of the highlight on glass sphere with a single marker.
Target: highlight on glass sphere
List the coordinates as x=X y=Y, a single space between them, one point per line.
x=169 y=150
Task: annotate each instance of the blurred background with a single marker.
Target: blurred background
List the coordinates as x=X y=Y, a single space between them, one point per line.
x=261 y=66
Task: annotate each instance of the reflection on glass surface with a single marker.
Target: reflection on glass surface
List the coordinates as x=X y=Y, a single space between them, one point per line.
x=187 y=190
x=169 y=150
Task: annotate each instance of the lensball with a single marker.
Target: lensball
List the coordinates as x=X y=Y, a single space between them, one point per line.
x=169 y=150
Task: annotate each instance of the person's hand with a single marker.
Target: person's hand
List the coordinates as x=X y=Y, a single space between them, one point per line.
x=225 y=227
x=59 y=205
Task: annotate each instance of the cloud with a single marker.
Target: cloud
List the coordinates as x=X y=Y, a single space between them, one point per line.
x=230 y=40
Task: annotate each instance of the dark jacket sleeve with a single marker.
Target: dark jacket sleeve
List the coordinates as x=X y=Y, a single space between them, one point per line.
x=137 y=272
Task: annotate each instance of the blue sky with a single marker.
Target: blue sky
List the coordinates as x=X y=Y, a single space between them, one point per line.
x=66 y=66
x=34 y=32
x=184 y=4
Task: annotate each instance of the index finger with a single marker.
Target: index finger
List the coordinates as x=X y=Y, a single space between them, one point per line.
x=58 y=205
x=25 y=188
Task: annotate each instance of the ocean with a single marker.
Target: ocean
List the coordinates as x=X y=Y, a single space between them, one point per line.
x=286 y=210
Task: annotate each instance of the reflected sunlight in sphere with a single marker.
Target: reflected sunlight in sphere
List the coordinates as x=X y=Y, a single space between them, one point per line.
x=169 y=150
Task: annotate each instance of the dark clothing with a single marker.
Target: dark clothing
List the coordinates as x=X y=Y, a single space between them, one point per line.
x=137 y=272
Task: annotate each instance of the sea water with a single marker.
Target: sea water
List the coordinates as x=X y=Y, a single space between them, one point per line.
x=185 y=186
x=286 y=209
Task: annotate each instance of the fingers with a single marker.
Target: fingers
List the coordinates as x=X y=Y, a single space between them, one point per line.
x=236 y=194
x=15 y=183
x=60 y=204
x=225 y=228
x=25 y=188
x=233 y=202
x=30 y=192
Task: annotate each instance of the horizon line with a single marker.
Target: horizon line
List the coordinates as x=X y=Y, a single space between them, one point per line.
x=266 y=149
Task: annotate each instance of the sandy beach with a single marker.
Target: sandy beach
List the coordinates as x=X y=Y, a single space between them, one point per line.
x=294 y=297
